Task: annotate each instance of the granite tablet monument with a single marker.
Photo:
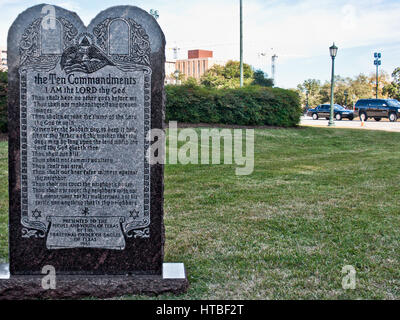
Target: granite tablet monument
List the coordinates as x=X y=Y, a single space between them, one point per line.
x=84 y=198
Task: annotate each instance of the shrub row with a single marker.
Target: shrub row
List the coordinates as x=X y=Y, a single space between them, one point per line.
x=3 y=102
x=195 y=104
x=246 y=106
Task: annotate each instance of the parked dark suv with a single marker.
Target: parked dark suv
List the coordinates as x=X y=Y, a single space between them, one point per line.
x=378 y=109
x=323 y=111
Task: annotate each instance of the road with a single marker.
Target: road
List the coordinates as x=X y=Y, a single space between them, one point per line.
x=371 y=124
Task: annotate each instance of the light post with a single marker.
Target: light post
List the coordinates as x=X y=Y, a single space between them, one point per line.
x=241 y=43
x=333 y=51
x=154 y=13
x=377 y=63
x=176 y=74
x=263 y=54
x=346 y=94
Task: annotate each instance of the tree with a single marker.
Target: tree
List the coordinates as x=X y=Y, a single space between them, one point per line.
x=190 y=82
x=232 y=70
x=383 y=82
x=344 y=94
x=359 y=87
x=393 y=89
x=313 y=87
x=181 y=76
x=261 y=79
x=227 y=76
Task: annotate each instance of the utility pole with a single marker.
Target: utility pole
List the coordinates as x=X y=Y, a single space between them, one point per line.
x=263 y=54
x=274 y=57
x=377 y=63
x=176 y=49
x=241 y=43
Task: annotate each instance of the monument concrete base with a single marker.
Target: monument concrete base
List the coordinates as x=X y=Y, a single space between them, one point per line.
x=173 y=280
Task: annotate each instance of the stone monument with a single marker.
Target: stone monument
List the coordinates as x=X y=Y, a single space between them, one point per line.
x=85 y=201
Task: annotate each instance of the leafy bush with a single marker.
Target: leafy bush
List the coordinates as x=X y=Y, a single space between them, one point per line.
x=3 y=101
x=252 y=105
x=246 y=106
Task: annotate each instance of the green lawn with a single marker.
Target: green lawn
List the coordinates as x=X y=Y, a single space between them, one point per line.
x=318 y=199
x=3 y=202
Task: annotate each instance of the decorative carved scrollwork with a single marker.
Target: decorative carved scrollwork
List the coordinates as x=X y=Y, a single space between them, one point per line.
x=70 y=32
x=30 y=46
x=32 y=233
x=139 y=51
x=101 y=33
x=140 y=47
x=142 y=234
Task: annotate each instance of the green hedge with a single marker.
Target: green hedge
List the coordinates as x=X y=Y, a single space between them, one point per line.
x=3 y=102
x=194 y=104
x=247 y=106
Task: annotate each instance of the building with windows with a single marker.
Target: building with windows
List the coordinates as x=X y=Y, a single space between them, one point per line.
x=197 y=63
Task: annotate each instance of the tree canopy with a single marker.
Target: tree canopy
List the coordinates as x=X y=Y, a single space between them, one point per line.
x=227 y=76
x=393 y=89
x=349 y=90
x=261 y=79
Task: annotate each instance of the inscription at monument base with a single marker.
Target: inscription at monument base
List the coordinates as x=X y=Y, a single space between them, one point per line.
x=84 y=198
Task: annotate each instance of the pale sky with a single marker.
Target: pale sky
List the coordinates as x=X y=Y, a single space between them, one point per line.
x=299 y=31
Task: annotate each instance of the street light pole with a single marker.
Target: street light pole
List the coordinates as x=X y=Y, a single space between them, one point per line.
x=377 y=81
x=345 y=97
x=377 y=63
x=333 y=51
x=241 y=43
x=177 y=74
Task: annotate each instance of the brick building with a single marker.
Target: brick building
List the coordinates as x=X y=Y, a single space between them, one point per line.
x=197 y=63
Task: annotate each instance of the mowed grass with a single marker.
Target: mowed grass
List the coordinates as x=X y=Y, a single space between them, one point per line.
x=318 y=199
x=3 y=201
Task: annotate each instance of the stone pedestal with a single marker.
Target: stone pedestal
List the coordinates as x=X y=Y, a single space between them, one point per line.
x=172 y=280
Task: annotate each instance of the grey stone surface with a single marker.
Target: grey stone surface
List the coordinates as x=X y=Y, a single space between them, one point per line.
x=81 y=100
x=96 y=187
x=85 y=116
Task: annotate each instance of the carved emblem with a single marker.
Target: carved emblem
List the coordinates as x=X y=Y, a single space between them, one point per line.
x=84 y=57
